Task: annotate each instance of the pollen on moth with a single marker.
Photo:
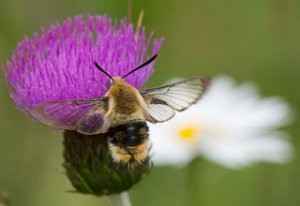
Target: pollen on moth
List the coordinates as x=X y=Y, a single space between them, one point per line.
x=188 y=132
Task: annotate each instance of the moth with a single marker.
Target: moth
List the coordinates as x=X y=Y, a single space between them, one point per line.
x=122 y=112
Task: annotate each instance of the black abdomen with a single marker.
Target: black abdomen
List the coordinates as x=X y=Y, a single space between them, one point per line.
x=130 y=134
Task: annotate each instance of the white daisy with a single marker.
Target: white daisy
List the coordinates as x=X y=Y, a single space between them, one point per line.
x=231 y=126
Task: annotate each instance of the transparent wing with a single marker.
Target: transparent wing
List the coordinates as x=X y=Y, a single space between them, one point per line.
x=85 y=116
x=177 y=96
x=159 y=113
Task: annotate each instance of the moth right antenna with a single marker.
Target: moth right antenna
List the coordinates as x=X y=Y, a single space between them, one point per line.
x=141 y=66
x=102 y=70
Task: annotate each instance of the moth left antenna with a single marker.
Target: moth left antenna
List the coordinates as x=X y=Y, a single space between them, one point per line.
x=141 y=66
x=102 y=70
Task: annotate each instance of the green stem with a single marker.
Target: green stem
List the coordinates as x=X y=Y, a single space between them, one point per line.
x=120 y=199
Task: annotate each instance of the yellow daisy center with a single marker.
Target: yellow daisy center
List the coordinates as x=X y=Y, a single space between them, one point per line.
x=188 y=133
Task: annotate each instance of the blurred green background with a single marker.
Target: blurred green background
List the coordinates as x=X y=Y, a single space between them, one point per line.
x=256 y=40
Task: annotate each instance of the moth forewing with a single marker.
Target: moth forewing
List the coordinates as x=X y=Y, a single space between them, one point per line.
x=84 y=115
x=177 y=96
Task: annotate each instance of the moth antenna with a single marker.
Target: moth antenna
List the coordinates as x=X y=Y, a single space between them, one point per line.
x=141 y=66
x=102 y=70
x=101 y=85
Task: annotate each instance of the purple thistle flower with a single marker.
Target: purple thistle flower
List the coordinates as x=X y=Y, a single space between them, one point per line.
x=58 y=64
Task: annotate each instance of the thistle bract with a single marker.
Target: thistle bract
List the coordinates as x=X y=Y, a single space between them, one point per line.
x=91 y=169
x=59 y=64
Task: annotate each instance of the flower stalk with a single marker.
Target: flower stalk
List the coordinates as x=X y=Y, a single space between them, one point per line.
x=121 y=199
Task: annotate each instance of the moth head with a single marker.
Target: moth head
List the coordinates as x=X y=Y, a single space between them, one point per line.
x=112 y=80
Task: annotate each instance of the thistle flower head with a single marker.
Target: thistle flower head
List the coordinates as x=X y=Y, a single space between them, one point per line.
x=58 y=63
